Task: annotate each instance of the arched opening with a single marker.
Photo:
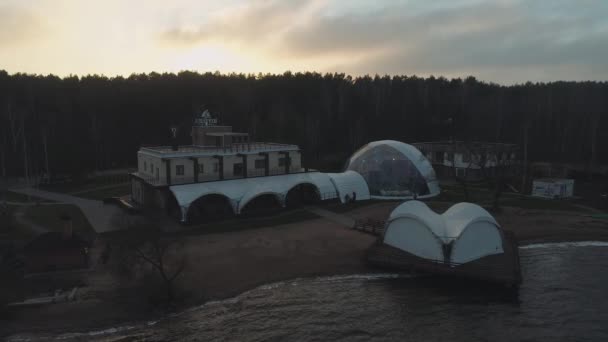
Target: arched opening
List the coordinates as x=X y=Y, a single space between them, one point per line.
x=262 y=205
x=209 y=208
x=302 y=194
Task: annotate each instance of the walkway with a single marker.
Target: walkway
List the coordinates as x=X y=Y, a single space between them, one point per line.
x=99 y=215
x=22 y=220
x=341 y=219
x=105 y=187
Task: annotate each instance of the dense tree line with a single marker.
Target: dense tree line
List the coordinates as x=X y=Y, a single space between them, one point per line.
x=76 y=124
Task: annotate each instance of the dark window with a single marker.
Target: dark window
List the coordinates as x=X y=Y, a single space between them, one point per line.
x=260 y=164
x=145 y=167
x=438 y=157
x=201 y=168
x=216 y=167
x=179 y=170
x=237 y=169
x=157 y=174
x=451 y=156
x=283 y=160
x=466 y=157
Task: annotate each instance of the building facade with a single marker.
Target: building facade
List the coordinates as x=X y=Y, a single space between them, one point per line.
x=216 y=154
x=468 y=160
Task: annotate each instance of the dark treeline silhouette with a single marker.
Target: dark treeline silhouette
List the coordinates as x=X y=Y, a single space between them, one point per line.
x=73 y=125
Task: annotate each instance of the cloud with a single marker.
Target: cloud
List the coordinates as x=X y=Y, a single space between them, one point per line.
x=243 y=23
x=505 y=40
x=19 y=25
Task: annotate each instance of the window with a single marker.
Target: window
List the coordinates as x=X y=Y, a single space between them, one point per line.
x=237 y=169
x=201 y=168
x=438 y=157
x=466 y=157
x=157 y=174
x=145 y=167
x=179 y=170
x=260 y=164
x=283 y=161
x=216 y=167
x=450 y=156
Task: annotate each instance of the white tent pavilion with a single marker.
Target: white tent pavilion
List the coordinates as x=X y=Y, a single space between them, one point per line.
x=465 y=232
x=239 y=192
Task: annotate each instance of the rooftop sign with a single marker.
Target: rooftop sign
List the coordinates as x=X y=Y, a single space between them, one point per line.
x=205 y=119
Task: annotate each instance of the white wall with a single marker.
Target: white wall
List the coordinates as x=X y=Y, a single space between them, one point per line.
x=479 y=239
x=151 y=164
x=410 y=235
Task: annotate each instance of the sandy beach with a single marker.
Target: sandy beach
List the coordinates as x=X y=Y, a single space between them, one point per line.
x=226 y=264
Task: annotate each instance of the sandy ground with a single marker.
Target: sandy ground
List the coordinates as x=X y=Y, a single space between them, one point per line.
x=224 y=265
x=219 y=266
x=529 y=226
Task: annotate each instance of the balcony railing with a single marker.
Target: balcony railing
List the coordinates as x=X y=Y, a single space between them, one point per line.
x=211 y=150
x=179 y=180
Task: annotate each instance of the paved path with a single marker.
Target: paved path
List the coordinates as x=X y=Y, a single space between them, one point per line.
x=341 y=219
x=111 y=186
x=99 y=215
x=22 y=220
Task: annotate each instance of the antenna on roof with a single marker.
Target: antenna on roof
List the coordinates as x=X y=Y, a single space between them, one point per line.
x=174 y=143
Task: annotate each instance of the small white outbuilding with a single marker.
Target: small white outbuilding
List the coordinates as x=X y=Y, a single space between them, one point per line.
x=553 y=188
x=465 y=232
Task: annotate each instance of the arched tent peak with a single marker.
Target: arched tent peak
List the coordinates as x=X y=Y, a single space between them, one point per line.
x=464 y=233
x=393 y=169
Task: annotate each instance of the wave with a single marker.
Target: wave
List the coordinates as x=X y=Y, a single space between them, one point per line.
x=233 y=300
x=566 y=244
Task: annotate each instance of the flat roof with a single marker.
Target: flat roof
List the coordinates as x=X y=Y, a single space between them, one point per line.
x=206 y=151
x=220 y=134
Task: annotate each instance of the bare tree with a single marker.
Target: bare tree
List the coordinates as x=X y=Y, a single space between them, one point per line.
x=497 y=165
x=144 y=247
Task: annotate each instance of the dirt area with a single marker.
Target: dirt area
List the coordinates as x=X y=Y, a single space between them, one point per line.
x=222 y=265
x=528 y=225
x=219 y=266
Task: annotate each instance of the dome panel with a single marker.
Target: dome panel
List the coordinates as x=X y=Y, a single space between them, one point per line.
x=393 y=169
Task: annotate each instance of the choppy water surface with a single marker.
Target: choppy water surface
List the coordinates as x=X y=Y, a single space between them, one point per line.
x=564 y=297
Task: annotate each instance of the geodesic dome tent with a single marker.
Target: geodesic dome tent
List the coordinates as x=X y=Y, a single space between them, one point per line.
x=394 y=170
x=465 y=232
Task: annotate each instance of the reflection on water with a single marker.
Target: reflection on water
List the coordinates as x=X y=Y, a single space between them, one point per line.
x=563 y=298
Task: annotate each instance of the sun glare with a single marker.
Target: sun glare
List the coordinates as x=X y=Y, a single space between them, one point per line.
x=213 y=57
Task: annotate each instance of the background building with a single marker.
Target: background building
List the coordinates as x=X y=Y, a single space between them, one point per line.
x=468 y=160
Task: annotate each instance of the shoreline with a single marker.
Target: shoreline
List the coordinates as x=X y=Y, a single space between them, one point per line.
x=247 y=259
x=155 y=318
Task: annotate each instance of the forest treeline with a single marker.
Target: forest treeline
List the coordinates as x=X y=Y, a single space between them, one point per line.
x=75 y=124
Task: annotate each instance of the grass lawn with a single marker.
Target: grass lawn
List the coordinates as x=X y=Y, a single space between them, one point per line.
x=10 y=196
x=13 y=232
x=49 y=216
x=100 y=194
x=540 y=203
x=87 y=184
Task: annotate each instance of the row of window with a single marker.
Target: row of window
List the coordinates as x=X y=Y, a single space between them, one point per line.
x=466 y=157
x=237 y=168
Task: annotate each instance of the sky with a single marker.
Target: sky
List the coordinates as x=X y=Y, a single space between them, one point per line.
x=501 y=41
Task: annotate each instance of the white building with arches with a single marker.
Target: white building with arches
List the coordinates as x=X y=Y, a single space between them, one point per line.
x=224 y=173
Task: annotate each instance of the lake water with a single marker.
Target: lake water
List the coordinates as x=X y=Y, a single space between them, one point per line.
x=564 y=297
